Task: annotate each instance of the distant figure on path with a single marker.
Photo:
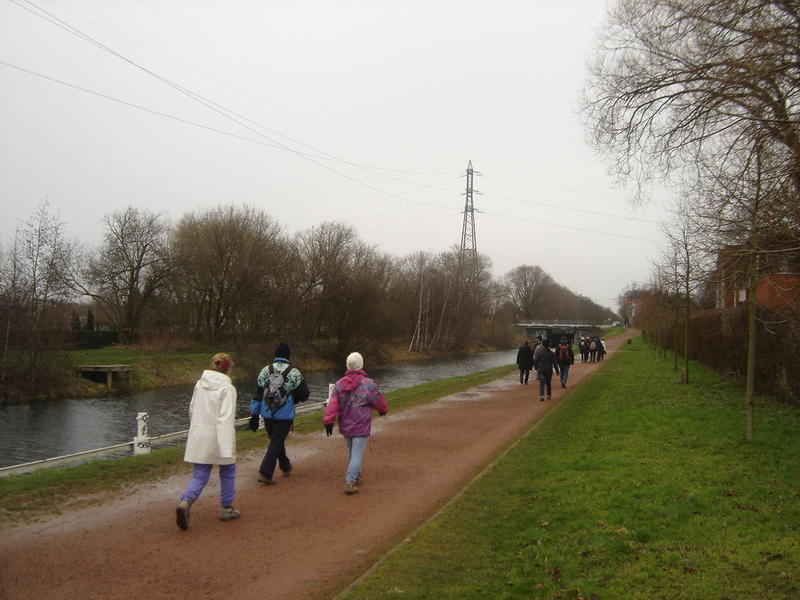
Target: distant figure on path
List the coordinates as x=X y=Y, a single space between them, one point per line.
x=584 y=348
x=279 y=387
x=566 y=358
x=545 y=362
x=212 y=439
x=525 y=362
x=593 y=343
x=353 y=399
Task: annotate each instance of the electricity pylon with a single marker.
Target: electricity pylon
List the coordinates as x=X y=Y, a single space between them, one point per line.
x=468 y=254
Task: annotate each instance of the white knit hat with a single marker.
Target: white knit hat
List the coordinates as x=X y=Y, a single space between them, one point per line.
x=355 y=362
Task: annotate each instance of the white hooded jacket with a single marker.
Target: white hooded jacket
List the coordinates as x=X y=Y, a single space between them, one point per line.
x=212 y=437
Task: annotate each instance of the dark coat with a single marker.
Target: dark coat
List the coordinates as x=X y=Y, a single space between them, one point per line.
x=546 y=360
x=571 y=354
x=525 y=358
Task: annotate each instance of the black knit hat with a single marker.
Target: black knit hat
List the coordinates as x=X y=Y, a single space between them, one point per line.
x=282 y=351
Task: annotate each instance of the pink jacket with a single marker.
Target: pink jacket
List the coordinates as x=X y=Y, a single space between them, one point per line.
x=353 y=398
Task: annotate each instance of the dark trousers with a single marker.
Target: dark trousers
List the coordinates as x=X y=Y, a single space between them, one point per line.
x=276 y=451
x=523 y=375
x=545 y=381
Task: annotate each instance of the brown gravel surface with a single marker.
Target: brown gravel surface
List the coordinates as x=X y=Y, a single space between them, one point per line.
x=302 y=538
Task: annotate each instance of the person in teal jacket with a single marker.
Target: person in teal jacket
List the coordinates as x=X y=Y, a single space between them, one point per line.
x=278 y=422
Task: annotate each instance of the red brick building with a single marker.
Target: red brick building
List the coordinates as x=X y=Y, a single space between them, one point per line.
x=777 y=288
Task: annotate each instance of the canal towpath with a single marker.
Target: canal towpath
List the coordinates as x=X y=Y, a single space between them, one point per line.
x=126 y=543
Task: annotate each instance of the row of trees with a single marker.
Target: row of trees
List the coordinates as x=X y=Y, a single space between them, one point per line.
x=705 y=94
x=233 y=275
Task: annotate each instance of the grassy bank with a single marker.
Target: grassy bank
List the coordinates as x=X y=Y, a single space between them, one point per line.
x=633 y=487
x=157 y=368
x=51 y=491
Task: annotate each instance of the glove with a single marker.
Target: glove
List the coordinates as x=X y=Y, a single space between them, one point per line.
x=328 y=429
x=253 y=424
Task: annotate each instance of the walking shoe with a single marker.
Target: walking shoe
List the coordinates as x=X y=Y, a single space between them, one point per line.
x=350 y=488
x=541 y=399
x=287 y=472
x=549 y=397
x=359 y=479
x=266 y=480
x=563 y=385
x=227 y=513
x=182 y=514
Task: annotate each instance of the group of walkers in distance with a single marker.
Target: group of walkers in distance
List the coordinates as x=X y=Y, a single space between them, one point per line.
x=592 y=349
x=279 y=388
x=544 y=360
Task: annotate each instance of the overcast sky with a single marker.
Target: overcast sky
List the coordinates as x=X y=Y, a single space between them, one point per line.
x=365 y=112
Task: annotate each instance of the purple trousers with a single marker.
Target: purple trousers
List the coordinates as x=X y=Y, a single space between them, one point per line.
x=200 y=475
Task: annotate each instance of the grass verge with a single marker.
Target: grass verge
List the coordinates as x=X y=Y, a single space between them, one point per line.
x=49 y=491
x=633 y=487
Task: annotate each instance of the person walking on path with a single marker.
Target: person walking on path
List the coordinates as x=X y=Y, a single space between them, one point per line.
x=212 y=439
x=353 y=399
x=593 y=349
x=525 y=361
x=584 y=348
x=566 y=358
x=279 y=387
x=545 y=362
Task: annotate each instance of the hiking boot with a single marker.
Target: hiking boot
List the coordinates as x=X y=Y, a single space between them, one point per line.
x=182 y=514
x=266 y=480
x=350 y=488
x=227 y=513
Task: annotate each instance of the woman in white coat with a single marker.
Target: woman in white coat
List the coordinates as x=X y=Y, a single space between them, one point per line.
x=212 y=438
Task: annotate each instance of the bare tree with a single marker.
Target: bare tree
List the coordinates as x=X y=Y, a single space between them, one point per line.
x=231 y=267
x=746 y=213
x=130 y=267
x=672 y=76
x=708 y=90
x=343 y=288
x=33 y=288
x=525 y=285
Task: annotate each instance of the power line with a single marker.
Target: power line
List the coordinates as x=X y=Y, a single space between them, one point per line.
x=219 y=109
x=237 y=88
x=569 y=208
x=256 y=69
x=138 y=106
x=569 y=227
x=557 y=187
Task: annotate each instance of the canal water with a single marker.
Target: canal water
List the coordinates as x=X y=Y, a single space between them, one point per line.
x=49 y=428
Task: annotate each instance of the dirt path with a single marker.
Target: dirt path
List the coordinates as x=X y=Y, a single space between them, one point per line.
x=417 y=460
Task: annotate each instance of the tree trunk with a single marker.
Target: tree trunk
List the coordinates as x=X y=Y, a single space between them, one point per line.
x=751 y=344
x=675 y=340
x=686 y=334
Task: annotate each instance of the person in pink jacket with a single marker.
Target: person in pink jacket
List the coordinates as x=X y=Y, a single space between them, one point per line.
x=353 y=399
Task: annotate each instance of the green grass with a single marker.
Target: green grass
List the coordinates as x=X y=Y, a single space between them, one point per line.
x=49 y=490
x=633 y=487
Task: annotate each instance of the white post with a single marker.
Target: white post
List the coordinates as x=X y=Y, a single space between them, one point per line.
x=330 y=392
x=141 y=443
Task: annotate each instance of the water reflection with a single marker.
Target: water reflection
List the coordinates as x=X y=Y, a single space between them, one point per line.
x=48 y=428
